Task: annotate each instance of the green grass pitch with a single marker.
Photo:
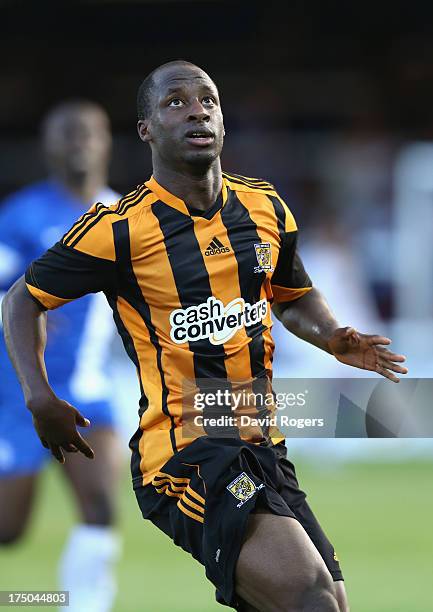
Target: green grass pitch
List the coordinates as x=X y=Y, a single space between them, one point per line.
x=379 y=518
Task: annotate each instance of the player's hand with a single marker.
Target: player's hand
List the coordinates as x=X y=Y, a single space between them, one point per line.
x=366 y=352
x=56 y=423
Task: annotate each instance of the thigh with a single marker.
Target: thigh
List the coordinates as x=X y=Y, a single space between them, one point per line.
x=340 y=592
x=95 y=481
x=17 y=495
x=243 y=606
x=295 y=498
x=277 y=564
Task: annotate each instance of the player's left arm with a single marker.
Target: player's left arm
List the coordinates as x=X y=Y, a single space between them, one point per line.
x=310 y=318
x=303 y=310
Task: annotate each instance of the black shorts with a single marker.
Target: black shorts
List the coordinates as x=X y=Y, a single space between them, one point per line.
x=203 y=495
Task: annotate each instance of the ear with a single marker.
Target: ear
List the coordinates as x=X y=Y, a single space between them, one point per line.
x=143 y=130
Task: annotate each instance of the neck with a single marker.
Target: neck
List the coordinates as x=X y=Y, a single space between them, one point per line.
x=198 y=189
x=84 y=187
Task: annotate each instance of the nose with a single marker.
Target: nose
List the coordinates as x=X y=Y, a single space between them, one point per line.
x=198 y=112
x=80 y=138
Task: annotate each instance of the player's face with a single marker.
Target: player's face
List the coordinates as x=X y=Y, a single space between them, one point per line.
x=78 y=141
x=186 y=124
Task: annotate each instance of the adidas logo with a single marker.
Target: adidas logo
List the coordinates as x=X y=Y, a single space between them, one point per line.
x=216 y=247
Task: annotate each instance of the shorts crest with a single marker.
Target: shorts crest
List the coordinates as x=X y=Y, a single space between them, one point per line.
x=243 y=488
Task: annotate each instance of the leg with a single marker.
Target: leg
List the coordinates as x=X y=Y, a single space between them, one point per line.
x=341 y=594
x=280 y=570
x=17 y=495
x=295 y=499
x=95 y=482
x=245 y=607
x=88 y=560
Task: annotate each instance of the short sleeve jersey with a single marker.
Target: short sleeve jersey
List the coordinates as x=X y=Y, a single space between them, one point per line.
x=190 y=291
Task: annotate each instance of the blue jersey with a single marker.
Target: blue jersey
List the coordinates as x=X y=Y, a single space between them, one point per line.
x=80 y=333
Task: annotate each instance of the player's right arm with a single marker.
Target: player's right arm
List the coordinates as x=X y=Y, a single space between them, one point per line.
x=25 y=332
x=83 y=262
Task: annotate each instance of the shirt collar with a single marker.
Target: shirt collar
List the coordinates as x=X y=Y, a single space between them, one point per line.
x=172 y=200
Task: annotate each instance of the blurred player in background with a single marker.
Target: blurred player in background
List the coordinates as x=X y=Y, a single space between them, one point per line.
x=77 y=144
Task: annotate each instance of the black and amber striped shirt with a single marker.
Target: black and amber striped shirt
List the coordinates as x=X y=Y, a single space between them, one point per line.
x=190 y=292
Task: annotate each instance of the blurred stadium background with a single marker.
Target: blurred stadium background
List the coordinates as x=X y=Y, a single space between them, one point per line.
x=333 y=103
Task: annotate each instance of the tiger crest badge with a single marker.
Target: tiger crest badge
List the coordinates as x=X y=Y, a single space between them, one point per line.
x=243 y=488
x=264 y=257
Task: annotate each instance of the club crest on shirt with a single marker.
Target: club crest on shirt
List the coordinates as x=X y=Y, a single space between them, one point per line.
x=264 y=257
x=243 y=488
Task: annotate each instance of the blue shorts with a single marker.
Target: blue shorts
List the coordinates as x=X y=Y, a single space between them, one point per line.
x=21 y=451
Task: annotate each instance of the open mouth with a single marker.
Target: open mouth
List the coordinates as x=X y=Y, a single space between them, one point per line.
x=200 y=137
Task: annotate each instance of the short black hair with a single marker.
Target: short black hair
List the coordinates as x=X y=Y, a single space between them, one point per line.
x=144 y=94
